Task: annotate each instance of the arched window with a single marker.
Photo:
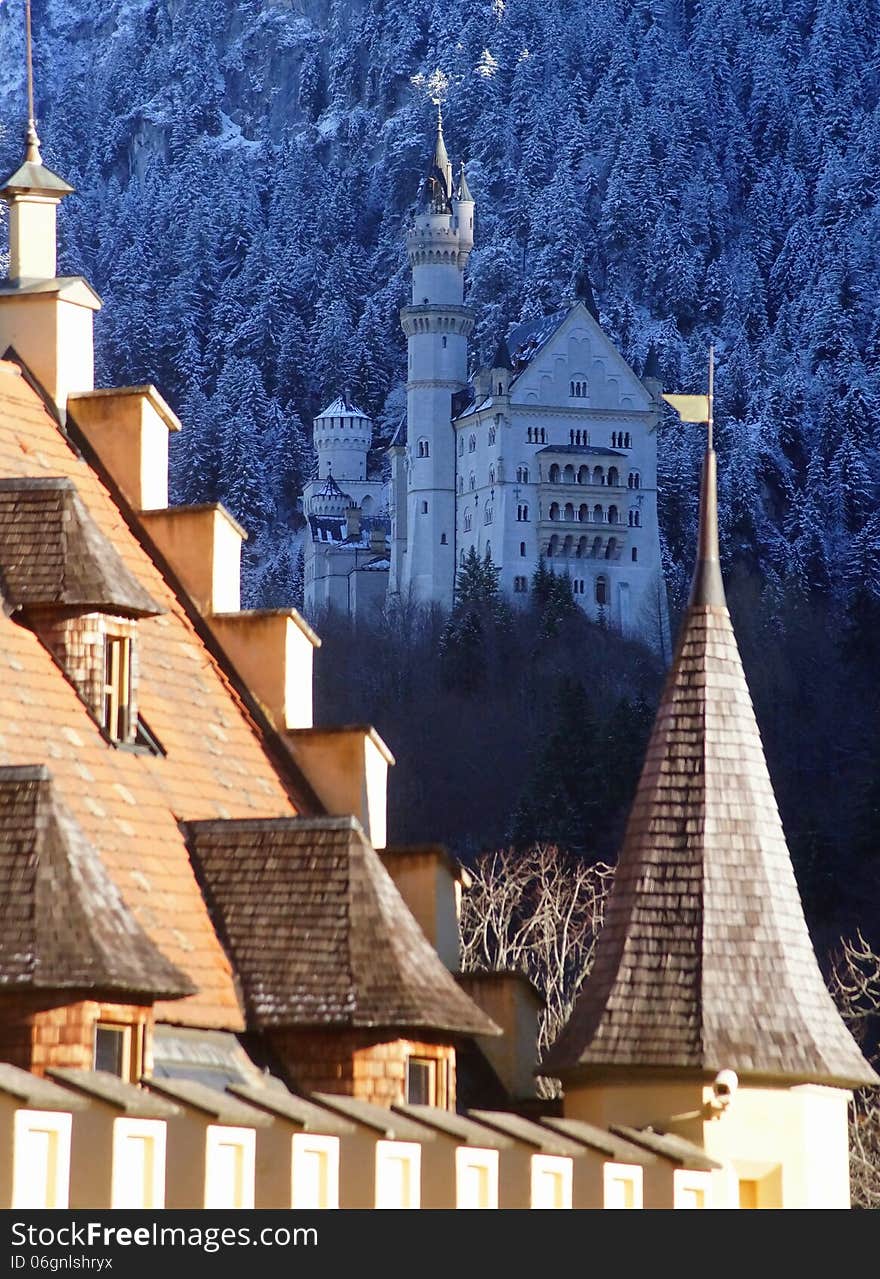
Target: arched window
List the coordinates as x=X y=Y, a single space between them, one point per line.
x=487 y=513
x=627 y=442
x=554 y=473
x=472 y=444
x=554 y=510
x=583 y=513
x=522 y=475
x=443 y=539
x=569 y=511
x=543 y=436
x=596 y=549
x=467 y=521
x=613 y=476
x=567 y=545
x=583 y=475
x=614 y=439
x=612 y=515
x=598 y=475
x=472 y=481
x=552 y=546
x=635 y=554
x=581 y=547
x=491 y=476
x=522 y=512
x=491 y=434
x=635 y=518
x=424 y=448
x=444 y=344
x=571 y=388
x=611 y=549
x=601 y=591
x=598 y=514
x=568 y=474
x=635 y=480
x=522 y=549
x=529 y=435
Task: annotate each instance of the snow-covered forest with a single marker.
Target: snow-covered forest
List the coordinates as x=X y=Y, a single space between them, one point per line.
x=245 y=171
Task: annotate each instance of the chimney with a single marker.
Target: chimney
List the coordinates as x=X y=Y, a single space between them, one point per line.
x=512 y=1002
x=128 y=429
x=348 y=771
x=430 y=883
x=353 y=521
x=202 y=545
x=273 y=651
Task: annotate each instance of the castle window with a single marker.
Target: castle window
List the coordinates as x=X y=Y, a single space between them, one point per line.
x=583 y=475
x=598 y=515
x=554 y=473
x=118 y=1050
x=472 y=444
x=569 y=511
x=598 y=475
x=635 y=480
x=461 y=446
x=577 y=586
x=117 y=687
x=583 y=513
x=520 y=584
x=522 y=512
x=543 y=436
x=500 y=388
x=491 y=434
x=601 y=591
x=460 y=484
x=554 y=510
x=552 y=546
x=424 y=448
x=612 y=515
x=467 y=521
x=611 y=549
x=627 y=440
x=581 y=547
x=522 y=475
x=596 y=550
x=487 y=513
x=613 y=476
x=491 y=475
x=522 y=549
x=568 y=474
x=444 y=343
x=472 y=481
x=443 y=541
x=635 y=554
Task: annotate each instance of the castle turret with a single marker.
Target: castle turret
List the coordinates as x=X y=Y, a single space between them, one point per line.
x=437 y=325
x=343 y=435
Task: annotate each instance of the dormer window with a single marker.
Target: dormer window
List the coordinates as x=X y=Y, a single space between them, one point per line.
x=116 y=716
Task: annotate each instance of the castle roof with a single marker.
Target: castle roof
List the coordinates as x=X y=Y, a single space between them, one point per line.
x=464 y=191
x=704 y=961
x=318 y=932
x=342 y=406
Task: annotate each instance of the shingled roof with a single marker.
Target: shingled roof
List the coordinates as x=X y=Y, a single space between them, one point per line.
x=317 y=931
x=63 y=924
x=52 y=553
x=705 y=961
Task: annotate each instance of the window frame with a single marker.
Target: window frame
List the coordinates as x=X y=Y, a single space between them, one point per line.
x=558 y=1166
x=153 y=1131
x=244 y=1139
x=409 y=1153
x=482 y=1159
x=327 y=1148
x=630 y=1175
x=689 y=1181
x=117 y=687
x=58 y=1124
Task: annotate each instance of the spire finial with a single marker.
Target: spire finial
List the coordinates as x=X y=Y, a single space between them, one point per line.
x=32 y=142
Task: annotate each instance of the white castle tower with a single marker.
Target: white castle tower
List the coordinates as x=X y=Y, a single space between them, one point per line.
x=437 y=325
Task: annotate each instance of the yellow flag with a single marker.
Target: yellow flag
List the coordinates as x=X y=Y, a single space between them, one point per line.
x=690 y=408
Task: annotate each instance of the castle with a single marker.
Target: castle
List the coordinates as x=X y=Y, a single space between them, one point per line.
x=549 y=453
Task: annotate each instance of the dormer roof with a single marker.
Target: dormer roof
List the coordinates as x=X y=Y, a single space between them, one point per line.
x=53 y=555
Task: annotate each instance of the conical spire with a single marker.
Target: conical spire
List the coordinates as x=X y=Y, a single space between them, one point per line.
x=705 y=961
x=501 y=358
x=32 y=176
x=464 y=191
x=652 y=365
x=583 y=292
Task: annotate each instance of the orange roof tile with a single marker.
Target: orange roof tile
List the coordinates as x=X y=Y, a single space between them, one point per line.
x=218 y=763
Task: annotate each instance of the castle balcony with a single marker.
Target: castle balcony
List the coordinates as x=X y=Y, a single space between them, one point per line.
x=606 y=514
x=567 y=540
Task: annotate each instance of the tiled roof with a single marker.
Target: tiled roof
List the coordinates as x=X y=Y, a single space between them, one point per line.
x=467 y=1132
x=317 y=931
x=63 y=924
x=115 y=1092
x=670 y=1146
x=525 y=340
x=280 y=1101
x=381 y=1119
x=527 y=1131
x=220 y=761
x=36 y=1093
x=219 y=1106
x=704 y=961
x=52 y=554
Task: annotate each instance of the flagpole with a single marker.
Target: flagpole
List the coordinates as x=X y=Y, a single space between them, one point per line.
x=711 y=394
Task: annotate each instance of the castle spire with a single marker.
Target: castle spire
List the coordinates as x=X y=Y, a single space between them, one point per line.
x=705 y=962
x=32 y=142
x=439 y=182
x=464 y=191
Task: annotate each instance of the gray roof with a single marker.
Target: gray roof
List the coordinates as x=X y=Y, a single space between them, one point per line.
x=278 y=1100
x=590 y=449
x=525 y=340
x=389 y=1123
x=601 y=1139
x=704 y=961
x=467 y=1132
x=35 y=1092
x=52 y=553
x=670 y=1146
x=219 y=1106
x=317 y=931
x=527 y=1131
x=34 y=176
x=100 y=1085
x=63 y=923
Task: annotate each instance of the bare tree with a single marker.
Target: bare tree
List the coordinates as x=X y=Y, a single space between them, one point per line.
x=855 y=985
x=536 y=912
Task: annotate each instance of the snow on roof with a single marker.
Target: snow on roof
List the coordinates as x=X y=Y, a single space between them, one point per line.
x=342 y=406
x=525 y=340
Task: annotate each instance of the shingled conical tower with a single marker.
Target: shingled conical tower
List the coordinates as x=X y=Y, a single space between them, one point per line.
x=705 y=962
